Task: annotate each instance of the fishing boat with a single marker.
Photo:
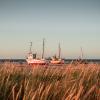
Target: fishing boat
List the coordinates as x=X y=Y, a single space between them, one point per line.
x=58 y=60
x=32 y=58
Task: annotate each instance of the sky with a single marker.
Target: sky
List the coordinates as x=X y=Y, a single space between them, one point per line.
x=73 y=23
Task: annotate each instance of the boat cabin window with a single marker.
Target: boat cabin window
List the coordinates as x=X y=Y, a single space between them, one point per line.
x=34 y=56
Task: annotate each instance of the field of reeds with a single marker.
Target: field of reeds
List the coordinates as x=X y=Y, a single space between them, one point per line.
x=68 y=82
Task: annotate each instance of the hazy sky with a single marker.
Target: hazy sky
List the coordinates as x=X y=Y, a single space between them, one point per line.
x=73 y=23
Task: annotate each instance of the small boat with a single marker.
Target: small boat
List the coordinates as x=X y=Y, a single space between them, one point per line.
x=33 y=60
x=58 y=60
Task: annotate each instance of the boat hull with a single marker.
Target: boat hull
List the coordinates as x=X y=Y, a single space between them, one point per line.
x=37 y=62
x=57 y=62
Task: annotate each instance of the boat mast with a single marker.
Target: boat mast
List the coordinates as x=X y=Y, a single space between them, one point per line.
x=43 y=48
x=59 y=48
x=30 y=51
x=81 y=53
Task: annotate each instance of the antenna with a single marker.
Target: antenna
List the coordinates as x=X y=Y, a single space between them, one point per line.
x=30 y=47
x=59 y=48
x=43 y=48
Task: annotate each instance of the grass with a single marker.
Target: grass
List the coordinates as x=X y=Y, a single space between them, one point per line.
x=68 y=82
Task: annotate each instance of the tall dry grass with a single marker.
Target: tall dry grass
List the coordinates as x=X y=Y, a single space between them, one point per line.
x=68 y=82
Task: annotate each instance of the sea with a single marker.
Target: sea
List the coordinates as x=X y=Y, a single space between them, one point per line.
x=67 y=61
